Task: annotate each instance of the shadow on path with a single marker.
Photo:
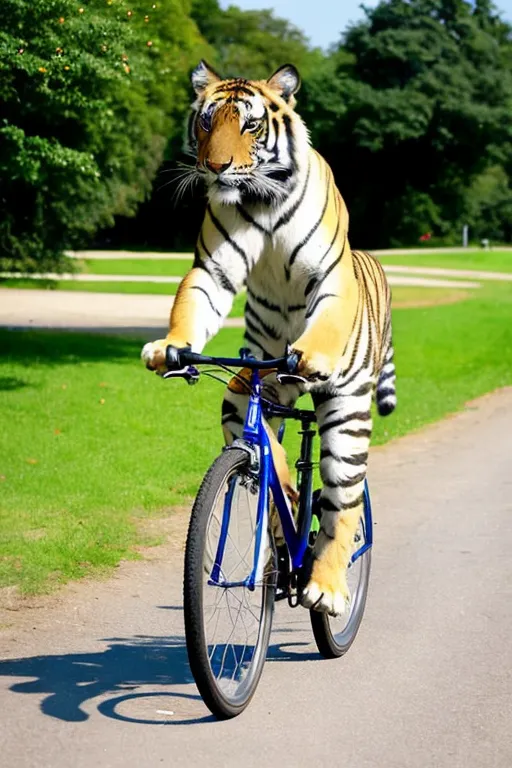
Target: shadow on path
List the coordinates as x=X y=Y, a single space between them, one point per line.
x=69 y=680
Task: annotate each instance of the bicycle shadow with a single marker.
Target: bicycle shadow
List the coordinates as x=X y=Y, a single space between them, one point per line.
x=70 y=680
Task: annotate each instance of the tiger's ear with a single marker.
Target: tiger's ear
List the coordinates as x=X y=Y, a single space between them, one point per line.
x=203 y=76
x=285 y=81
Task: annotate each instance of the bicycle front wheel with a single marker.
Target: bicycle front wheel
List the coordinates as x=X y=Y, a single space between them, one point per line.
x=228 y=617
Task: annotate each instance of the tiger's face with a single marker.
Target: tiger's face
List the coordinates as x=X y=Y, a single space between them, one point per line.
x=246 y=137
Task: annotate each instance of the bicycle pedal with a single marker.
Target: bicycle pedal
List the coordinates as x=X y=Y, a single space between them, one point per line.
x=314 y=530
x=293 y=591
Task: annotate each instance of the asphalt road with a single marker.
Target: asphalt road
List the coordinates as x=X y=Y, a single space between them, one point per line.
x=97 y=676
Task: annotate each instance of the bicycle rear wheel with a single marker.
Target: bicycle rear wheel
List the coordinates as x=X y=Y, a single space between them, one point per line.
x=335 y=634
x=227 y=622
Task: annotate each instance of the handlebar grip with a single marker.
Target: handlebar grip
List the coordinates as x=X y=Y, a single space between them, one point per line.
x=292 y=363
x=178 y=358
x=173 y=357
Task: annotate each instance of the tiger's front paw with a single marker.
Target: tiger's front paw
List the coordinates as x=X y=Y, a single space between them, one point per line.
x=153 y=355
x=327 y=590
x=314 y=366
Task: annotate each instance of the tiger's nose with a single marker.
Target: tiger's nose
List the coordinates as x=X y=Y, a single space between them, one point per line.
x=217 y=167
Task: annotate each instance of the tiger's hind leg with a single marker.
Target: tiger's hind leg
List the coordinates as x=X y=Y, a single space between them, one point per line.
x=345 y=429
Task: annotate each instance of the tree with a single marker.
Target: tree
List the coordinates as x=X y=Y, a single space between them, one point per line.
x=489 y=205
x=90 y=96
x=427 y=100
x=252 y=44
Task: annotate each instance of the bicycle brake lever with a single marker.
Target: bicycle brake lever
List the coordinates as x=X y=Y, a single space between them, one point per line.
x=189 y=373
x=290 y=378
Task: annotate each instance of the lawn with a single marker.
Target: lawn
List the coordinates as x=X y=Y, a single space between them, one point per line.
x=166 y=289
x=168 y=267
x=487 y=261
x=92 y=442
x=494 y=261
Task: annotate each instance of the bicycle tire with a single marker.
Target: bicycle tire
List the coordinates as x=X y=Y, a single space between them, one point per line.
x=232 y=463
x=333 y=644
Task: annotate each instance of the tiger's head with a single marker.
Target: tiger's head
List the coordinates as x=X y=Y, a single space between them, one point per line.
x=248 y=141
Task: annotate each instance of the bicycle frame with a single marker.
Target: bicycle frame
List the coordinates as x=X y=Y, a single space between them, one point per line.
x=256 y=439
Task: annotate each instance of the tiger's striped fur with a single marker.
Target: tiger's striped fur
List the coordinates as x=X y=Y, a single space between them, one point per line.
x=276 y=222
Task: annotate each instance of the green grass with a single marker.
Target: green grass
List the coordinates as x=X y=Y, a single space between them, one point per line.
x=91 y=441
x=166 y=289
x=491 y=261
x=494 y=261
x=171 y=267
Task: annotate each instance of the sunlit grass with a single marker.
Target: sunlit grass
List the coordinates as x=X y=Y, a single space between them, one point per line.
x=91 y=440
x=489 y=261
x=178 y=267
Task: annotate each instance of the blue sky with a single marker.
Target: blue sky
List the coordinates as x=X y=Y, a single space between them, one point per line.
x=324 y=20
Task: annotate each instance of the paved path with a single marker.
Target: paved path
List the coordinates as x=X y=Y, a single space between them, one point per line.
x=92 y=311
x=97 y=676
x=75 y=309
x=103 y=311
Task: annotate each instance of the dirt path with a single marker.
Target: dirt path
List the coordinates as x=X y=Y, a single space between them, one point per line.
x=97 y=676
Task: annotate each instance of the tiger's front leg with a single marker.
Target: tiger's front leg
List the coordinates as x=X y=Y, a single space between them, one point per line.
x=345 y=429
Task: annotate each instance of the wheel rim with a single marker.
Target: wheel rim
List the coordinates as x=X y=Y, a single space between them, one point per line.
x=234 y=616
x=342 y=627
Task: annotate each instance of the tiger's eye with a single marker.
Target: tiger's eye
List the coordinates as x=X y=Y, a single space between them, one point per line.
x=205 y=123
x=205 y=119
x=251 y=124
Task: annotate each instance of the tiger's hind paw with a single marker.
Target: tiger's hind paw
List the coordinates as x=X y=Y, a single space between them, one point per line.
x=326 y=589
x=322 y=599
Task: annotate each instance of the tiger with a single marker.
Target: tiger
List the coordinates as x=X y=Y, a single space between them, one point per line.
x=276 y=223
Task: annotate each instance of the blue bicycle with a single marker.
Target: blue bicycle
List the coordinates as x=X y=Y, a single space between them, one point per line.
x=234 y=572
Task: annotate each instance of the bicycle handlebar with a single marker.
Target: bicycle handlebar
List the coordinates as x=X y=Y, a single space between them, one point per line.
x=176 y=359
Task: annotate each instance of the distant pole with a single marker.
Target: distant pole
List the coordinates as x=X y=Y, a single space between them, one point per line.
x=465 y=233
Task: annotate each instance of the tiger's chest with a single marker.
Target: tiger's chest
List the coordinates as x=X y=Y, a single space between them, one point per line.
x=277 y=292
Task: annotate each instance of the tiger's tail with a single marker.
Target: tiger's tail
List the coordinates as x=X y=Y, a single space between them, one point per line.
x=385 y=395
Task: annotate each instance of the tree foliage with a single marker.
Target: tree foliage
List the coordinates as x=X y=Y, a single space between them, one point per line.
x=411 y=109
x=90 y=96
x=252 y=44
x=428 y=97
